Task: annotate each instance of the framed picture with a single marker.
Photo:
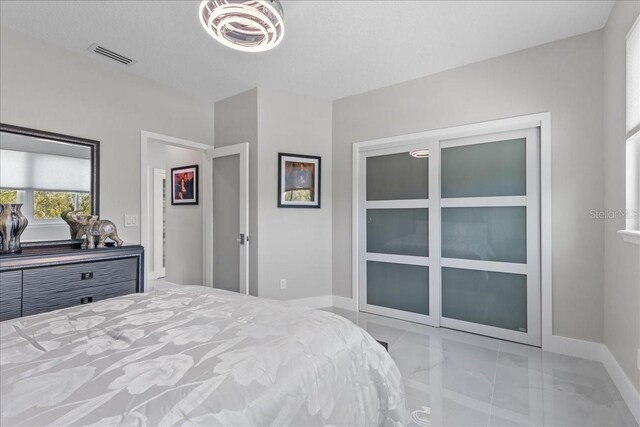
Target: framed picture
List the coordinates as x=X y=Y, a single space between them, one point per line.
x=184 y=190
x=298 y=181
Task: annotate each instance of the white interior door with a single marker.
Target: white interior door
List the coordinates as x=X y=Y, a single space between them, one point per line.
x=398 y=236
x=159 y=207
x=230 y=215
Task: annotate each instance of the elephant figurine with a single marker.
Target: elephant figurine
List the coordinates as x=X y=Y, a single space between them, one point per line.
x=75 y=228
x=94 y=228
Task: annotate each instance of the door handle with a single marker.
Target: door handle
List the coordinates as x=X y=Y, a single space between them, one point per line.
x=241 y=239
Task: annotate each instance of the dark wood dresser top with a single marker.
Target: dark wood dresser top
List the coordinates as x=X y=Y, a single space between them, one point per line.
x=58 y=255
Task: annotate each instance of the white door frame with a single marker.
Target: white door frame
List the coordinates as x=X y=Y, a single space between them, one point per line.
x=145 y=199
x=156 y=206
x=539 y=120
x=241 y=150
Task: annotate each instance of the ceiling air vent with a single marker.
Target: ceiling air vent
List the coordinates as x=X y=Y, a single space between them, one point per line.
x=111 y=55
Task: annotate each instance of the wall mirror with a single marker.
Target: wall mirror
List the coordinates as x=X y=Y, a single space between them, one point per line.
x=49 y=174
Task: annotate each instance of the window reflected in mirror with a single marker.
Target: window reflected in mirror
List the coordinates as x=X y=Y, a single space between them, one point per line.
x=48 y=178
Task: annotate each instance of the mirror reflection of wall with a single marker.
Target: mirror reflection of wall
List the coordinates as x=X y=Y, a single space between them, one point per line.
x=48 y=177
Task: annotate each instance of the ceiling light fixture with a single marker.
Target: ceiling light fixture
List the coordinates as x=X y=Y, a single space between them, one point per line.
x=419 y=154
x=246 y=25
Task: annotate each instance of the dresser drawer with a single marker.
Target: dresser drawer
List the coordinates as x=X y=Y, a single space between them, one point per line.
x=64 y=277
x=11 y=284
x=10 y=295
x=41 y=298
x=46 y=278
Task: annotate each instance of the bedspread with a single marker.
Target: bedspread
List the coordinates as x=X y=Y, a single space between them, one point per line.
x=194 y=356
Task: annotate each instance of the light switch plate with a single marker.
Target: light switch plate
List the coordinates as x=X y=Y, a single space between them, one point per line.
x=131 y=220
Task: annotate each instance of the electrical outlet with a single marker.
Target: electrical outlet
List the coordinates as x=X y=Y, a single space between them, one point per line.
x=283 y=283
x=131 y=220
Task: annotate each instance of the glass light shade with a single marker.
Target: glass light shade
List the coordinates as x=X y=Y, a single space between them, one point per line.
x=246 y=25
x=419 y=153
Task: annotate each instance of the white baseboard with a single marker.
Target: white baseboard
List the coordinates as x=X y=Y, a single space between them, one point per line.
x=344 y=303
x=326 y=301
x=600 y=353
x=314 y=302
x=572 y=347
x=555 y=343
x=629 y=393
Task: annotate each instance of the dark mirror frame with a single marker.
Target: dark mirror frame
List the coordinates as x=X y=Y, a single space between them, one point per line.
x=95 y=171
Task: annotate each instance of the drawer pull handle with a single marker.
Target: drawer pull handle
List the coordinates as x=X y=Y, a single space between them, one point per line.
x=86 y=300
x=87 y=276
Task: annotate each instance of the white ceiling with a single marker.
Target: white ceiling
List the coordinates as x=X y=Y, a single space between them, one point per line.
x=331 y=49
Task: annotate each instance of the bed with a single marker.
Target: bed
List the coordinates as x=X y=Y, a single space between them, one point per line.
x=190 y=356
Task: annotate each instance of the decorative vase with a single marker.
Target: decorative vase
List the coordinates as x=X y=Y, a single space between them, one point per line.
x=12 y=224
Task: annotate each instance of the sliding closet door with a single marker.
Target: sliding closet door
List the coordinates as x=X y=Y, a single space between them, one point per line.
x=397 y=233
x=490 y=262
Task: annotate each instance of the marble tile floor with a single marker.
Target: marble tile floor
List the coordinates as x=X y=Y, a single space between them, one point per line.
x=457 y=379
x=454 y=378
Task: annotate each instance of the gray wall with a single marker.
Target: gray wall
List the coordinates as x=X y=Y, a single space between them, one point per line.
x=184 y=234
x=236 y=121
x=622 y=260
x=563 y=77
x=49 y=88
x=295 y=244
x=292 y=244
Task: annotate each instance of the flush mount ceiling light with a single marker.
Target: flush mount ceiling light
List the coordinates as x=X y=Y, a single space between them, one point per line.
x=419 y=154
x=246 y=25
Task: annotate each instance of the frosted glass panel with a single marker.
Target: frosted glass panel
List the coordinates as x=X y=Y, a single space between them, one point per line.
x=487 y=298
x=400 y=286
x=398 y=231
x=397 y=177
x=485 y=170
x=489 y=234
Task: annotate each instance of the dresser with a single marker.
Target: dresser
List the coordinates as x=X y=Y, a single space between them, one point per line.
x=49 y=278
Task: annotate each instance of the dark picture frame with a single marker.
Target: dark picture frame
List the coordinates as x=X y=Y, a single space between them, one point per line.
x=299 y=181
x=184 y=185
x=93 y=145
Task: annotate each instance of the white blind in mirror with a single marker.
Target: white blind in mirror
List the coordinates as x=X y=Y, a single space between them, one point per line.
x=23 y=170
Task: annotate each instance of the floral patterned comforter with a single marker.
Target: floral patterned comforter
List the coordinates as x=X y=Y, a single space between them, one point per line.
x=194 y=356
